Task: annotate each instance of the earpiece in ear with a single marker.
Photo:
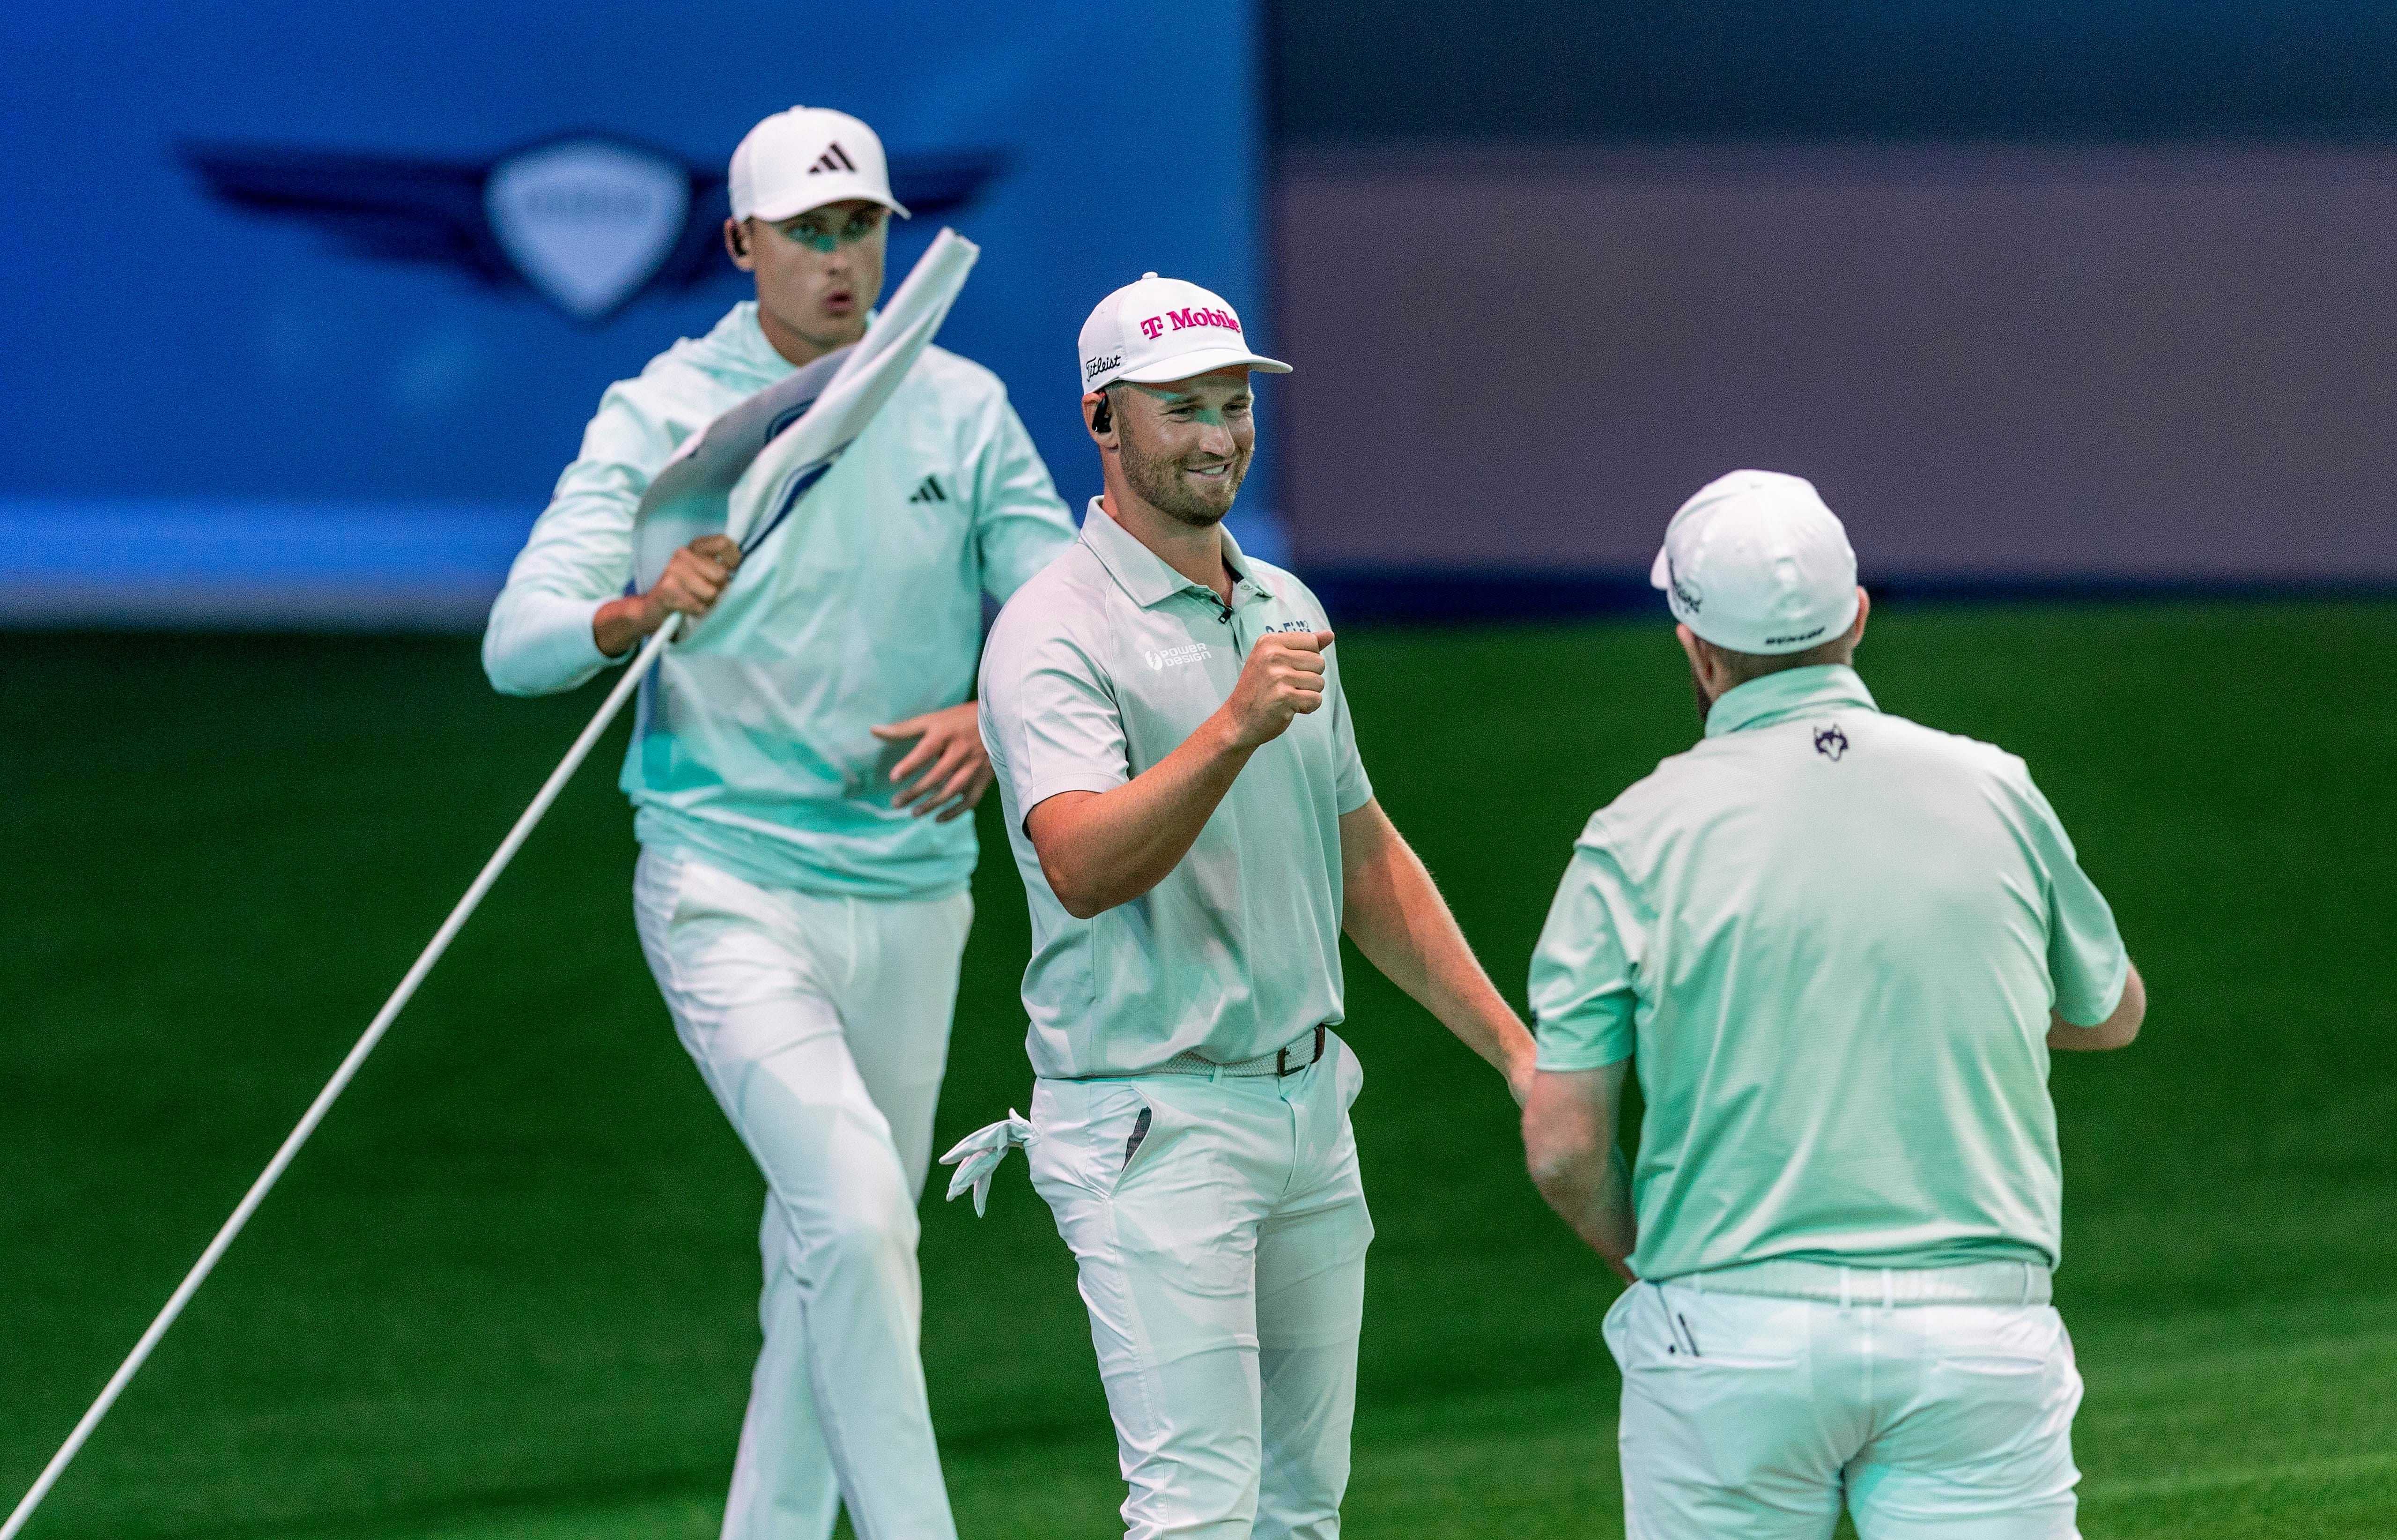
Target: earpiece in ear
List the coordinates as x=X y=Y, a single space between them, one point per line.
x=1103 y=416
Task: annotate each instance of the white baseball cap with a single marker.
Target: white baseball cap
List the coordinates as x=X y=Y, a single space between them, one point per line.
x=1162 y=328
x=805 y=158
x=1757 y=563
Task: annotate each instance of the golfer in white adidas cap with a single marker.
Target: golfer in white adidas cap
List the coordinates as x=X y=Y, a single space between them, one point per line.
x=802 y=890
x=1195 y=831
x=1838 y=948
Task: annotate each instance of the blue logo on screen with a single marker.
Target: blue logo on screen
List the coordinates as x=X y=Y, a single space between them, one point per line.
x=590 y=221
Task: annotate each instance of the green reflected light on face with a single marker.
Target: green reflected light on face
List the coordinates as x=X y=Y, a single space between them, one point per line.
x=827 y=229
x=1169 y=460
x=1224 y=407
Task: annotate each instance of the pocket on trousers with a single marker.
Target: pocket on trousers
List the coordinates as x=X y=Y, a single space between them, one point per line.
x=1165 y=1195
x=1351 y=1070
x=1610 y=1326
x=2000 y=1342
x=1682 y=1331
x=1087 y=1132
x=1171 y=1200
x=2001 y=1375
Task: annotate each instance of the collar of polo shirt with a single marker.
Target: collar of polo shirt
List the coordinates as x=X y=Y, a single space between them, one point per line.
x=1792 y=692
x=1144 y=574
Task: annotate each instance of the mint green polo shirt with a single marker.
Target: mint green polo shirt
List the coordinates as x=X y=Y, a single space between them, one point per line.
x=1829 y=940
x=751 y=750
x=1097 y=669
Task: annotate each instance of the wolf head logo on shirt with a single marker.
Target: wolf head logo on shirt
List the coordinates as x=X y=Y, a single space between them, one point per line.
x=1831 y=742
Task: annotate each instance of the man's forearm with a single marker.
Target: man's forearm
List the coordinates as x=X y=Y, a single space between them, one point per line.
x=1569 y=1145
x=1394 y=912
x=1593 y=1195
x=1102 y=848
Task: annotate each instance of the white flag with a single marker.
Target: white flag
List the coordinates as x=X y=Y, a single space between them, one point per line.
x=752 y=467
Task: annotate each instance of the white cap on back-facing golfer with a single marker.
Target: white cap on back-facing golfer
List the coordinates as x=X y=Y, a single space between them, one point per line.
x=1757 y=563
x=1162 y=328
x=803 y=159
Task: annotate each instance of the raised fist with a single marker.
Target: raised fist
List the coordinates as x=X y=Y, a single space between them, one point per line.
x=1282 y=678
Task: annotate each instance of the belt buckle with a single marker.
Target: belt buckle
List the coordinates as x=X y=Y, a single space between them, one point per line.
x=1284 y=1068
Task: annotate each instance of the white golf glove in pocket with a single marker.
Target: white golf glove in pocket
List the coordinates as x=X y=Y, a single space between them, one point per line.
x=979 y=1154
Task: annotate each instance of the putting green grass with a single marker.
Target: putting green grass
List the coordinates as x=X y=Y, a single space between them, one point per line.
x=509 y=1290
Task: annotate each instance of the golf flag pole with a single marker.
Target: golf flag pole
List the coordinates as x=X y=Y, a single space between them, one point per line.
x=341 y=1077
x=766 y=490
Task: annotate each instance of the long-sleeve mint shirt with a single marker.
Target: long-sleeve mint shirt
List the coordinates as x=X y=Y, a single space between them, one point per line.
x=1829 y=939
x=752 y=749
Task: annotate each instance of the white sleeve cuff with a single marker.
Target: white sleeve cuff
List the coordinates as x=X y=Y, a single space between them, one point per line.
x=541 y=644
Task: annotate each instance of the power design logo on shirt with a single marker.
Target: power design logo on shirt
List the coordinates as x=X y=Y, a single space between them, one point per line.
x=1174 y=657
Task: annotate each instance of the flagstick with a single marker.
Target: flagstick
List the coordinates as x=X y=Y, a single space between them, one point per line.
x=341 y=1077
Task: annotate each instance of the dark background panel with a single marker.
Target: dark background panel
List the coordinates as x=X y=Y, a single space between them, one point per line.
x=2156 y=363
x=1344 y=70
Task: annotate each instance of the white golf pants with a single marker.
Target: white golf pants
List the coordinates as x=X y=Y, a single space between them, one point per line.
x=1220 y=1230
x=822 y=1026
x=1752 y=1417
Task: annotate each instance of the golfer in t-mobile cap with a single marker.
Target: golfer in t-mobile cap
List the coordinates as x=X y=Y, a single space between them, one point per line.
x=1838 y=947
x=1195 y=831
x=800 y=768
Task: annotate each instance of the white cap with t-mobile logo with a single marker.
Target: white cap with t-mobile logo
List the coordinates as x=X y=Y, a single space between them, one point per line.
x=1163 y=329
x=1757 y=563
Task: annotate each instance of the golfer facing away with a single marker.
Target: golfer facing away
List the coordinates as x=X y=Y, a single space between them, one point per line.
x=1195 y=831
x=1838 y=948
x=799 y=770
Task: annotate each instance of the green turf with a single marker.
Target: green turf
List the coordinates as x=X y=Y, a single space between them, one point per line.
x=509 y=1289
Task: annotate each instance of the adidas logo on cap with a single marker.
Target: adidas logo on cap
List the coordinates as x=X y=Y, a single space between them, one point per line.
x=780 y=166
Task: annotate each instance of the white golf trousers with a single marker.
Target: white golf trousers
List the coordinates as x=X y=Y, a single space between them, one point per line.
x=821 y=1025
x=1221 y=1254
x=1752 y=1417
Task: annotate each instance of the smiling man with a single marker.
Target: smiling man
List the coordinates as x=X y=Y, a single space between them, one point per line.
x=800 y=783
x=1195 y=831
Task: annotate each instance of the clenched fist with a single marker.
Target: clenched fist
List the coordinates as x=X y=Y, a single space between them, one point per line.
x=1282 y=678
x=693 y=581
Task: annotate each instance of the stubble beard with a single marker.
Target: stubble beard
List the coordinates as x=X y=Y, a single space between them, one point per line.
x=1159 y=484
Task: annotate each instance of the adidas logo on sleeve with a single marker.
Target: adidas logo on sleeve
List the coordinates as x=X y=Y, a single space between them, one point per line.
x=929 y=491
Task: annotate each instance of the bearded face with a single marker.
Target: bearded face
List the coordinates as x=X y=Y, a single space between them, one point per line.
x=1185 y=449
